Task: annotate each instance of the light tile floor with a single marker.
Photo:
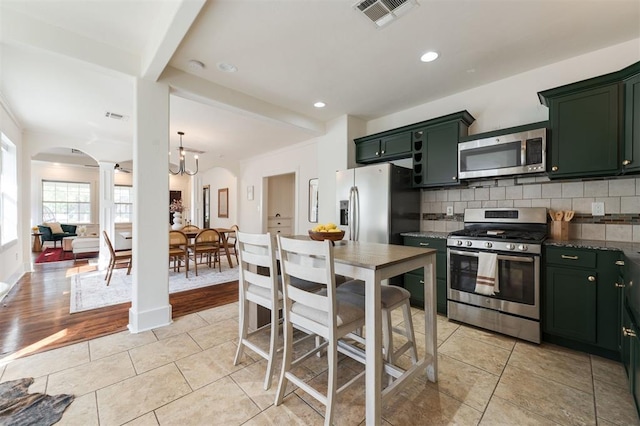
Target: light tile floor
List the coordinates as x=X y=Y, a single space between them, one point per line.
x=183 y=374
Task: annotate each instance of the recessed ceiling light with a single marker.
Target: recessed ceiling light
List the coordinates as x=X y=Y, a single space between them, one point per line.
x=429 y=56
x=319 y=104
x=194 y=65
x=223 y=66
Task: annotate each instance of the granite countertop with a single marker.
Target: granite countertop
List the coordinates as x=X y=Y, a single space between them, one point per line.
x=631 y=250
x=426 y=234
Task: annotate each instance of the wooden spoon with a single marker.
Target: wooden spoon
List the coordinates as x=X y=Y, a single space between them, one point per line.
x=568 y=215
x=559 y=215
x=552 y=214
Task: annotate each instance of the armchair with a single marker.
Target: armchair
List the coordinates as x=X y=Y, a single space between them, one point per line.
x=47 y=233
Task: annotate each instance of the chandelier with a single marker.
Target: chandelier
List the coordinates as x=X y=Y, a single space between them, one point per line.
x=182 y=170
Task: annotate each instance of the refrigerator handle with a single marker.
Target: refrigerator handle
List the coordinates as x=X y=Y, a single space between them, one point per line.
x=351 y=212
x=356 y=214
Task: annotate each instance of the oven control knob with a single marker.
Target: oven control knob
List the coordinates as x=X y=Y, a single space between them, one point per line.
x=511 y=246
x=488 y=245
x=523 y=247
x=459 y=242
x=469 y=243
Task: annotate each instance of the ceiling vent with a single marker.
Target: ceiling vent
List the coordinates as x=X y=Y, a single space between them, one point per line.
x=116 y=116
x=383 y=12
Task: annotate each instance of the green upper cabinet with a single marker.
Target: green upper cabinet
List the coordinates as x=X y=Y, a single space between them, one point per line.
x=374 y=149
x=631 y=156
x=435 y=150
x=594 y=125
x=432 y=145
x=585 y=132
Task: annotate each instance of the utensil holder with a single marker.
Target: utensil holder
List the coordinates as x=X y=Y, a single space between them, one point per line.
x=559 y=230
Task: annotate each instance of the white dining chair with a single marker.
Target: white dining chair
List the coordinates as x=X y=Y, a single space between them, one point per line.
x=256 y=252
x=329 y=314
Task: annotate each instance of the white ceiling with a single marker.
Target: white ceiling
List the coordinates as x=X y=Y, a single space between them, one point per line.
x=63 y=64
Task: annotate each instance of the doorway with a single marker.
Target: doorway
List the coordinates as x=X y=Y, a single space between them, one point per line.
x=281 y=198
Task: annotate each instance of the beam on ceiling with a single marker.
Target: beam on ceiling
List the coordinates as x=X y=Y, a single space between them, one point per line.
x=200 y=90
x=174 y=22
x=22 y=30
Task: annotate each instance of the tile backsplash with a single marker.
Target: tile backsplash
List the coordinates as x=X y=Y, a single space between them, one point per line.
x=621 y=198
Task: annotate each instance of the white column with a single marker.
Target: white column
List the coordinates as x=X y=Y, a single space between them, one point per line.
x=150 y=306
x=107 y=210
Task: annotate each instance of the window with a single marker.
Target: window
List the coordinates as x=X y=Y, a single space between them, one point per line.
x=66 y=202
x=123 y=198
x=8 y=191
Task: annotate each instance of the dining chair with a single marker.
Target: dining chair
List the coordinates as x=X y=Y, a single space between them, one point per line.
x=258 y=283
x=206 y=243
x=117 y=258
x=331 y=315
x=391 y=298
x=179 y=250
x=190 y=228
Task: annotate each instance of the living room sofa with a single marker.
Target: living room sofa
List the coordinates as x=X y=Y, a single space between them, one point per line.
x=46 y=233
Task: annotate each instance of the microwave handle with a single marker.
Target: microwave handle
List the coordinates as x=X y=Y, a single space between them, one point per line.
x=523 y=259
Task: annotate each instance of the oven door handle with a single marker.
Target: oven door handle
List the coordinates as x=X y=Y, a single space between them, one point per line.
x=523 y=259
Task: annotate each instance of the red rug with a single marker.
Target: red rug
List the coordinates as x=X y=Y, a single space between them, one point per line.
x=57 y=255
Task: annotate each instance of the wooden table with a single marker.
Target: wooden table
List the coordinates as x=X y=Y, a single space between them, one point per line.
x=373 y=263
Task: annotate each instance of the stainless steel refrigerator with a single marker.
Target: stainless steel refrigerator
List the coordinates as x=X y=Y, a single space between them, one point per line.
x=376 y=203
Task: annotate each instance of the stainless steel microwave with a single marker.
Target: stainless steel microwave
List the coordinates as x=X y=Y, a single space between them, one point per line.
x=503 y=155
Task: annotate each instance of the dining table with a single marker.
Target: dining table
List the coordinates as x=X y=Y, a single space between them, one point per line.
x=374 y=263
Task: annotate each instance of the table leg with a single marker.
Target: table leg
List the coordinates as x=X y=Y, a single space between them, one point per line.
x=226 y=250
x=430 y=319
x=373 y=375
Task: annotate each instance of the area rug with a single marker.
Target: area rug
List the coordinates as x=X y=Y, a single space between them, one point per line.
x=19 y=407
x=89 y=290
x=57 y=255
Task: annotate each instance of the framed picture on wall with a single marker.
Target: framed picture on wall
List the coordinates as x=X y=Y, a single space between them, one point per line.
x=223 y=202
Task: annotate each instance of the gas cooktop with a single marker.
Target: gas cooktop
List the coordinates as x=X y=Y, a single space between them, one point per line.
x=501 y=234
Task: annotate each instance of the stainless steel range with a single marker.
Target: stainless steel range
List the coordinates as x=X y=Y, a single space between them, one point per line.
x=514 y=238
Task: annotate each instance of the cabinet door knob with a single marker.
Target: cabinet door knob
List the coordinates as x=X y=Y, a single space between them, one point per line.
x=421 y=281
x=554 y=168
x=591 y=278
x=377 y=153
x=383 y=151
x=454 y=178
x=618 y=285
x=626 y=162
x=418 y=134
x=620 y=262
x=627 y=332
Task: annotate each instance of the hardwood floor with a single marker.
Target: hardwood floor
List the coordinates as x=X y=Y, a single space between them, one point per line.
x=35 y=315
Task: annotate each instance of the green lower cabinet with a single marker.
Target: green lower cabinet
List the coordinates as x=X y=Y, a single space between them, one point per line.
x=414 y=280
x=570 y=303
x=581 y=305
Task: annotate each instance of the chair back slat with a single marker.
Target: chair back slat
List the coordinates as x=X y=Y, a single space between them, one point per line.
x=256 y=250
x=310 y=261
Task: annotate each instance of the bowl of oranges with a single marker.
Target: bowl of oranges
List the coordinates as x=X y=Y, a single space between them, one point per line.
x=329 y=231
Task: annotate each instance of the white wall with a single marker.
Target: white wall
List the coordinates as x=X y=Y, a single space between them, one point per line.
x=514 y=101
x=219 y=178
x=301 y=159
x=14 y=260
